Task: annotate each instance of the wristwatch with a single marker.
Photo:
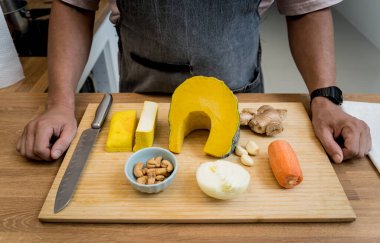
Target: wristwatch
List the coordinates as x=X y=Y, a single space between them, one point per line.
x=333 y=93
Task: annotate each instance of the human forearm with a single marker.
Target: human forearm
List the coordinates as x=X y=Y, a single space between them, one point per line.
x=311 y=40
x=70 y=35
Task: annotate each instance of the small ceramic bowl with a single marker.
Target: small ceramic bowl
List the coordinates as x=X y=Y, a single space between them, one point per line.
x=144 y=155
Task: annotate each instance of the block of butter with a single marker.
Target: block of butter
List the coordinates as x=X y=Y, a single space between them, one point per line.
x=122 y=130
x=147 y=123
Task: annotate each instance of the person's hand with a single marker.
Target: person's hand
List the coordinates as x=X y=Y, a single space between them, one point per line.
x=37 y=141
x=342 y=136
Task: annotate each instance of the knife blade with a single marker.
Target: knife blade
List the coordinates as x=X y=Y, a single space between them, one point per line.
x=79 y=158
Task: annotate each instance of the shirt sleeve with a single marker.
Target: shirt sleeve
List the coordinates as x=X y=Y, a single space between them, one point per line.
x=84 y=4
x=298 y=7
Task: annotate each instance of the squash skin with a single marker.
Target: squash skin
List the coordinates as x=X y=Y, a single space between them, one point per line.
x=195 y=107
x=235 y=142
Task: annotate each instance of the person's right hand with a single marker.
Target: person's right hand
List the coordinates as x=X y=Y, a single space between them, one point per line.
x=57 y=122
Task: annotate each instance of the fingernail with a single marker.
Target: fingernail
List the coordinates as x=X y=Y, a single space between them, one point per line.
x=56 y=154
x=337 y=158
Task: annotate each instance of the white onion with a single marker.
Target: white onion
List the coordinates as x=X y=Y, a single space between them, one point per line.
x=222 y=179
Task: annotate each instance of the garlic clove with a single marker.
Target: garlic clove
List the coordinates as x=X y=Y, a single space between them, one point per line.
x=252 y=148
x=246 y=160
x=239 y=151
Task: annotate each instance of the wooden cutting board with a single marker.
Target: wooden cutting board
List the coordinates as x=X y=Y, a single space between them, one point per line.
x=104 y=195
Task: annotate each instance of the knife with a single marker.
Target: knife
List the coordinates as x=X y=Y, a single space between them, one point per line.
x=77 y=162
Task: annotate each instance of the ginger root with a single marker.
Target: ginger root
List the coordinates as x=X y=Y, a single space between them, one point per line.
x=266 y=120
x=245 y=117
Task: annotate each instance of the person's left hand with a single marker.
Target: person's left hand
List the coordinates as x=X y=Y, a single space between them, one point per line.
x=342 y=136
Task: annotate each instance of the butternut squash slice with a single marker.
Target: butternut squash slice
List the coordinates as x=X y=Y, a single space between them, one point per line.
x=204 y=103
x=145 y=129
x=122 y=131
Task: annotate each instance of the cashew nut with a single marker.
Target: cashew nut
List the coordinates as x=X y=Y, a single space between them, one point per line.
x=158 y=171
x=151 y=177
x=160 y=177
x=155 y=172
x=142 y=179
x=158 y=161
x=151 y=163
x=137 y=170
x=166 y=164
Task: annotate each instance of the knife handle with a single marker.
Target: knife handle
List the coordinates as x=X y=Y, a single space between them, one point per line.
x=102 y=111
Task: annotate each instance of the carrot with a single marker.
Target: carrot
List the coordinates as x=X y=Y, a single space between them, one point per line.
x=284 y=164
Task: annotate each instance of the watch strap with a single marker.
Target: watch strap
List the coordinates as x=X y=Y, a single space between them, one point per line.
x=333 y=93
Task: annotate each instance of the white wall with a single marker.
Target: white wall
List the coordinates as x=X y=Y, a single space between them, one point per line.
x=365 y=16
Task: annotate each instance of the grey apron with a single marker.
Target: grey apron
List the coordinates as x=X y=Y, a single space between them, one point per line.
x=164 y=42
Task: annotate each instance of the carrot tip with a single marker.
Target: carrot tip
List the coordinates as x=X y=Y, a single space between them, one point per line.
x=292 y=182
